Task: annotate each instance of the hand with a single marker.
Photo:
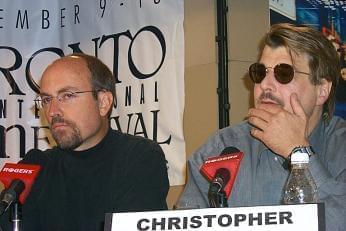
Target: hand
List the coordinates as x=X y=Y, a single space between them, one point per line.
x=278 y=129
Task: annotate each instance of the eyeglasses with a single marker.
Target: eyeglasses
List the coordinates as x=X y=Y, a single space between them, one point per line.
x=64 y=97
x=283 y=72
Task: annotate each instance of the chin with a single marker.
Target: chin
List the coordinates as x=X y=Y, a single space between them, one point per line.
x=68 y=144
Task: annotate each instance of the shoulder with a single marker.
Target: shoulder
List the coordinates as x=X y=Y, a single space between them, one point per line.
x=335 y=145
x=135 y=145
x=139 y=156
x=37 y=156
x=131 y=139
x=335 y=132
x=334 y=148
x=336 y=124
x=233 y=136
x=238 y=131
x=230 y=136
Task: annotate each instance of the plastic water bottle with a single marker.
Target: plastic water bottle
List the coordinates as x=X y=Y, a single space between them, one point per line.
x=300 y=187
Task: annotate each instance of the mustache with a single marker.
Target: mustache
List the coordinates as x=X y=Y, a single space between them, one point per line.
x=59 y=119
x=269 y=95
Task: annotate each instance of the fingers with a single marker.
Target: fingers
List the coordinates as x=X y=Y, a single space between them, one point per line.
x=259 y=113
x=296 y=106
x=258 y=119
x=258 y=134
x=261 y=116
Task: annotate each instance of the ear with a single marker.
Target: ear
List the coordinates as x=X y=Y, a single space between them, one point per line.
x=323 y=91
x=105 y=101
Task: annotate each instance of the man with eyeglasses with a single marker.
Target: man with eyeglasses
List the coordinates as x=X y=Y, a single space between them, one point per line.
x=294 y=79
x=93 y=170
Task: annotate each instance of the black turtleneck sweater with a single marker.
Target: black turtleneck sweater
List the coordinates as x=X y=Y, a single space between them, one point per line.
x=76 y=188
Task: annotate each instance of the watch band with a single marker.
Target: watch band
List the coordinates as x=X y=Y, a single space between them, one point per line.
x=303 y=149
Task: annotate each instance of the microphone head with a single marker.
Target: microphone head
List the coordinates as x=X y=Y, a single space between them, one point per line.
x=24 y=172
x=229 y=159
x=229 y=150
x=224 y=174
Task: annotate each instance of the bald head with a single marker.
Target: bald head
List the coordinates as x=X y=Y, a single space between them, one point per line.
x=75 y=103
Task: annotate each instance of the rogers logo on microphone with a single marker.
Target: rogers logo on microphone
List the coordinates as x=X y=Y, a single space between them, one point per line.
x=18 y=170
x=222 y=158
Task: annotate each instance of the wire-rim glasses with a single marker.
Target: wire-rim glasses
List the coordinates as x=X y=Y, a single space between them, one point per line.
x=64 y=97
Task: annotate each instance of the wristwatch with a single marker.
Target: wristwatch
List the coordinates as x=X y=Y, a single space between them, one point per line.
x=303 y=149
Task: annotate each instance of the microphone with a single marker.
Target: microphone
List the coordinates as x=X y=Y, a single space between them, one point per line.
x=221 y=178
x=11 y=194
x=221 y=171
x=18 y=179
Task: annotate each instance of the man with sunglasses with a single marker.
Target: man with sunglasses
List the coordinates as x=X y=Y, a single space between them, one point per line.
x=93 y=170
x=294 y=89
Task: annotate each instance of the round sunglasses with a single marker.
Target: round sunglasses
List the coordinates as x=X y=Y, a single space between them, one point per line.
x=283 y=72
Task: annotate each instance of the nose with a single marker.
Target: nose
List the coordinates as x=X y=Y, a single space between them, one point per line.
x=269 y=82
x=54 y=108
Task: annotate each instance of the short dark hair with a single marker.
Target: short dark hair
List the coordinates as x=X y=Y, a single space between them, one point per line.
x=101 y=76
x=324 y=62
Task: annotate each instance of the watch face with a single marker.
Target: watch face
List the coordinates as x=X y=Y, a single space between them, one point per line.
x=299 y=157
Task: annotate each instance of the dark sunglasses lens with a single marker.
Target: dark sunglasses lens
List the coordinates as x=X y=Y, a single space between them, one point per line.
x=257 y=72
x=283 y=73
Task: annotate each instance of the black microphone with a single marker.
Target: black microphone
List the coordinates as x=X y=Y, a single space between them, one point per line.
x=220 y=179
x=216 y=193
x=11 y=194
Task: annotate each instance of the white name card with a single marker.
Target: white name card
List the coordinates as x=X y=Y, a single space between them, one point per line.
x=262 y=218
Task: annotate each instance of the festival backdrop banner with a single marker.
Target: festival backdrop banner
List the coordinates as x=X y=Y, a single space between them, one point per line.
x=141 y=41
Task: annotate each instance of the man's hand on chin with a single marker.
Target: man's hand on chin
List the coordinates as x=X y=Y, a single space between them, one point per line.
x=278 y=129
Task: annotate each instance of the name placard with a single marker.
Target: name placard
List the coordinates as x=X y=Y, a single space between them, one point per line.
x=262 y=218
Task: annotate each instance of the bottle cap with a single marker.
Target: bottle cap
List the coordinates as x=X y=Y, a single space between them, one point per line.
x=299 y=158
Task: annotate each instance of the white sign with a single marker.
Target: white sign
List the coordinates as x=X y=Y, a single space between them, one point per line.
x=260 y=218
x=142 y=42
x=284 y=7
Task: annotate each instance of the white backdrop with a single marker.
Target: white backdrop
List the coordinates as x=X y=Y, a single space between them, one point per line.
x=142 y=42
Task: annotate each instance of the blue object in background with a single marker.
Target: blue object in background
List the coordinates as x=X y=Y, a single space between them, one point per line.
x=340 y=110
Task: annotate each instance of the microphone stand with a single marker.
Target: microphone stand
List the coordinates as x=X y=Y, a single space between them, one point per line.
x=217 y=199
x=16 y=216
x=221 y=196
